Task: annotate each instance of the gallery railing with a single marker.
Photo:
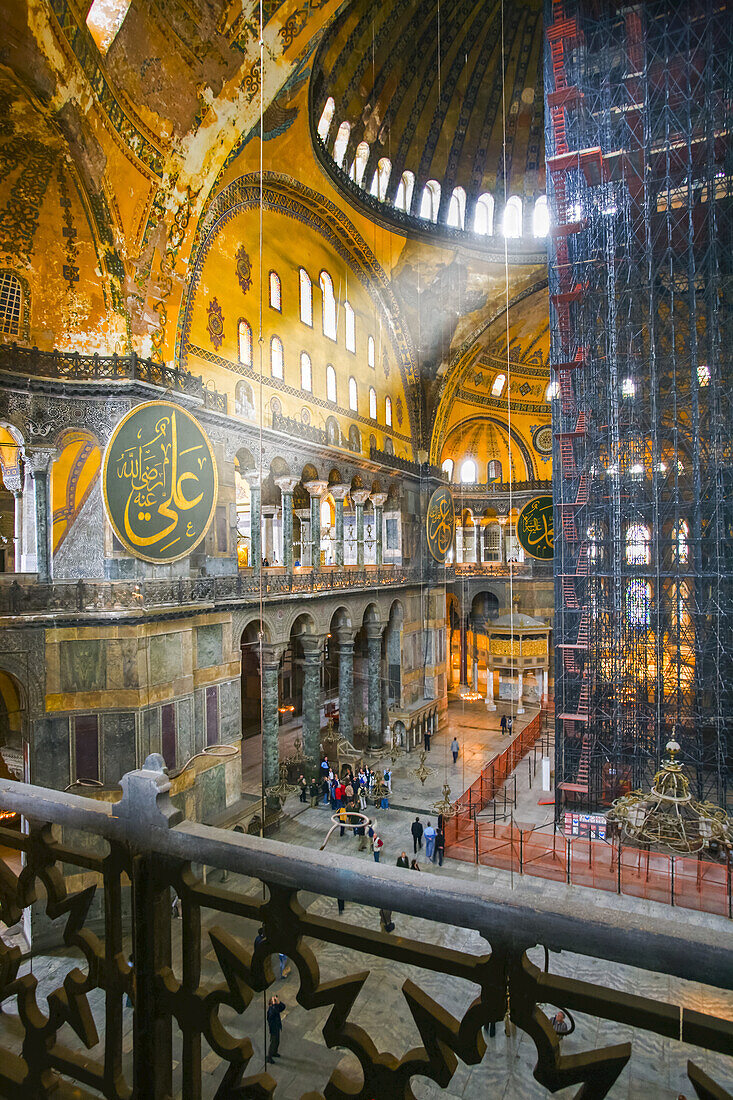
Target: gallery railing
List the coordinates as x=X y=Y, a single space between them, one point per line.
x=138 y=853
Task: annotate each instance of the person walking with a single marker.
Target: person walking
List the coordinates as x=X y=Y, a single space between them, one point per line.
x=440 y=846
x=509 y=724
x=388 y=779
x=377 y=845
x=417 y=830
x=454 y=748
x=429 y=835
x=502 y=724
x=344 y=819
x=426 y=740
x=366 y=836
x=403 y=861
x=275 y=1010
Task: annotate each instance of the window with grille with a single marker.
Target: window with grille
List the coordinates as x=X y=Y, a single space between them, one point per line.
x=11 y=302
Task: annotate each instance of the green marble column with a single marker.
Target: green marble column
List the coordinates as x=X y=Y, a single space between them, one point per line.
x=378 y=501
x=316 y=490
x=359 y=497
x=345 y=642
x=252 y=477
x=312 y=653
x=270 y=721
x=40 y=468
x=286 y=486
x=338 y=492
x=374 y=694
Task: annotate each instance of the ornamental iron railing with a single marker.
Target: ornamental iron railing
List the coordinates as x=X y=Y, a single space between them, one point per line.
x=138 y=852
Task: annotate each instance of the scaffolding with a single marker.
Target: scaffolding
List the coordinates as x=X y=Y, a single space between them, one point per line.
x=639 y=166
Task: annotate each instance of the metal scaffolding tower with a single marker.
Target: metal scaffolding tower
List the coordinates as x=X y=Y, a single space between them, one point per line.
x=640 y=180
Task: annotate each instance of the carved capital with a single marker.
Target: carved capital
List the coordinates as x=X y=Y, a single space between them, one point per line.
x=272 y=655
x=39 y=459
x=252 y=477
x=286 y=485
x=312 y=646
x=316 y=488
x=378 y=499
x=339 y=492
x=359 y=496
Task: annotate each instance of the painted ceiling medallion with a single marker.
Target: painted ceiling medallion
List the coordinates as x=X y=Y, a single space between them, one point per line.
x=244 y=268
x=542 y=440
x=215 y=323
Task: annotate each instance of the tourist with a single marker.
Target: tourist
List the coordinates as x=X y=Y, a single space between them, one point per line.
x=341 y=904
x=403 y=861
x=414 y=866
x=325 y=790
x=344 y=819
x=377 y=845
x=502 y=724
x=362 y=799
x=509 y=724
x=349 y=790
x=439 y=846
x=417 y=830
x=429 y=834
x=454 y=748
x=325 y=767
x=314 y=793
x=388 y=779
x=274 y=1026
x=426 y=740
x=560 y=1024
x=303 y=784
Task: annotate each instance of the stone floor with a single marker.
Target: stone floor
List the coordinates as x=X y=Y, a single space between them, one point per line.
x=657 y=1067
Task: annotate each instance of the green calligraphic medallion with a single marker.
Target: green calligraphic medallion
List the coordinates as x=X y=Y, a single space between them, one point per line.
x=535 y=528
x=159 y=482
x=440 y=523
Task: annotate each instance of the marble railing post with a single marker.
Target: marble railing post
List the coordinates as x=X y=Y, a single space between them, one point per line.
x=304 y=515
x=374 y=694
x=359 y=497
x=345 y=643
x=378 y=500
x=271 y=656
x=39 y=463
x=14 y=484
x=286 y=486
x=316 y=490
x=312 y=652
x=338 y=492
x=252 y=477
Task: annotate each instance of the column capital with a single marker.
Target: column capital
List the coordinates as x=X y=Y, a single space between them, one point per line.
x=38 y=459
x=378 y=499
x=303 y=513
x=315 y=488
x=374 y=630
x=271 y=655
x=286 y=485
x=252 y=477
x=345 y=636
x=312 y=646
x=359 y=496
x=339 y=492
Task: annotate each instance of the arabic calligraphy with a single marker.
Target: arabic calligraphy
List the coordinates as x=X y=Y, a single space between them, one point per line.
x=159 y=482
x=535 y=530
x=440 y=523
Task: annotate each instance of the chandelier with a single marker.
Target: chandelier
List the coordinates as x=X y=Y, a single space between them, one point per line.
x=423 y=771
x=445 y=806
x=668 y=816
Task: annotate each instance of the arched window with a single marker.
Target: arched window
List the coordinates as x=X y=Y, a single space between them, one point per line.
x=306 y=298
x=244 y=330
x=350 y=322
x=370 y=352
x=353 y=396
x=244 y=402
x=494 y=470
x=513 y=217
x=359 y=163
x=457 y=209
x=430 y=201
x=331 y=383
x=339 y=145
x=306 y=372
x=403 y=198
x=497 y=387
x=541 y=217
x=276 y=301
x=447 y=467
x=276 y=357
x=638 y=603
x=325 y=516
x=326 y=118
x=329 y=306
x=11 y=303
x=682 y=540
x=372 y=403
x=552 y=391
x=483 y=215
x=380 y=180
x=469 y=473
x=388 y=411
x=637 y=544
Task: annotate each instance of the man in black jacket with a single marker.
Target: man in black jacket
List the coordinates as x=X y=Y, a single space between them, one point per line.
x=416 y=830
x=274 y=1026
x=403 y=861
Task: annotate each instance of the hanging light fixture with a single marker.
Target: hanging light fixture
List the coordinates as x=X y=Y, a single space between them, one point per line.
x=423 y=771
x=668 y=817
x=444 y=806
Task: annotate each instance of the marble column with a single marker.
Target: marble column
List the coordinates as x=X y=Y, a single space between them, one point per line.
x=374 y=694
x=39 y=463
x=286 y=486
x=503 y=520
x=490 y=704
x=545 y=684
x=378 y=501
x=463 y=675
x=339 y=492
x=14 y=484
x=345 y=643
x=316 y=491
x=312 y=651
x=520 y=689
x=304 y=515
x=479 y=542
x=268 y=516
x=359 y=498
x=474 y=674
x=270 y=719
x=252 y=477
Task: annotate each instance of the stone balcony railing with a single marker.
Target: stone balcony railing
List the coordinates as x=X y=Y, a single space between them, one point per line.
x=138 y=998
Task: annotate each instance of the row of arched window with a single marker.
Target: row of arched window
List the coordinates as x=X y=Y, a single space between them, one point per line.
x=277 y=370
x=429 y=204
x=638 y=542
x=468 y=473
x=329 y=310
